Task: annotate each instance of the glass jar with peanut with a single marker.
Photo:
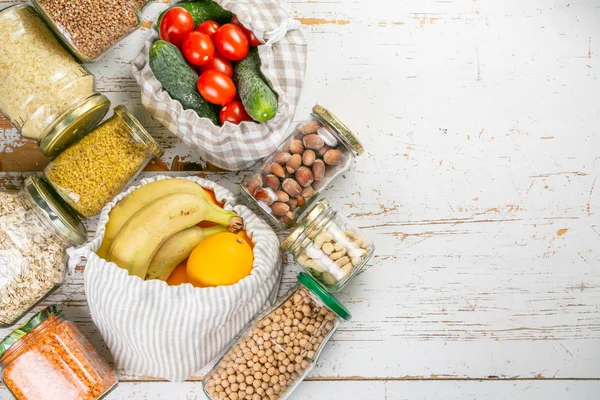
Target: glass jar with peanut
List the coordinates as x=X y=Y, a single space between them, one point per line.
x=270 y=359
x=329 y=246
x=288 y=181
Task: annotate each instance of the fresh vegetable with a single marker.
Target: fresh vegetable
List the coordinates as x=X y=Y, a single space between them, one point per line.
x=179 y=79
x=179 y=275
x=197 y=48
x=234 y=112
x=218 y=63
x=147 y=230
x=216 y=87
x=208 y=27
x=222 y=259
x=231 y=42
x=252 y=39
x=201 y=11
x=177 y=248
x=258 y=98
x=176 y=25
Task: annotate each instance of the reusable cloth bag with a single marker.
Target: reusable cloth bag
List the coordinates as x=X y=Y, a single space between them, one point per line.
x=283 y=59
x=171 y=332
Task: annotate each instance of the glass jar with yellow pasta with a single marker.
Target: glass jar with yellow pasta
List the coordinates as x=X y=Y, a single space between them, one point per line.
x=91 y=172
x=46 y=94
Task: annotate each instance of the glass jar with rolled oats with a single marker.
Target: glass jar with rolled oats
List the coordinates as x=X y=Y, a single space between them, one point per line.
x=328 y=246
x=36 y=228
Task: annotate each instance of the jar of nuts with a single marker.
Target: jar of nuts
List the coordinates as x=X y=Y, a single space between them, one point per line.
x=88 y=28
x=329 y=246
x=288 y=181
x=280 y=348
x=91 y=172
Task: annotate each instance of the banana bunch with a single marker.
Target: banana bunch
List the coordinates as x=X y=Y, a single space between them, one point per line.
x=153 y=229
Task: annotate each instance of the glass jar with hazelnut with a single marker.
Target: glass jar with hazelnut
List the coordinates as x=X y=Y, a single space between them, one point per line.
x=272 y=357
x=329 y=246
x=288 y=181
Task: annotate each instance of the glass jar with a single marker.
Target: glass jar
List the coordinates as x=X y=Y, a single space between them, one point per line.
x=278 y=350
x=36 y=228
x=46 y=94
x=329 y=247
x=89 y=28
x=48 y=358
x=91 y=172
x=289 y=180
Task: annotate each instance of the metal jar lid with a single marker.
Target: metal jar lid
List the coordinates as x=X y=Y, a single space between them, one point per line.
x=309 y=218
x=51 y=207
x=331 y=302
x=28 y=327
x=139 y=131
x=74 y=124
x=322 y=115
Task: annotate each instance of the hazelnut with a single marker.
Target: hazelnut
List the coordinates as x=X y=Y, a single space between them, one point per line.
x=308 y=192
x=313 y=142
x=264 y=196
x=272 y=181
x=293 y=163
x=318 y=170
x=304 y=176
x=266 y=168
x=310 y=127
x=323 y=150
x=291 y=187
x=308 y=157
x=333 y=157
x=293 y=203
x=278 y=171
x=253 y=183
x=288 y=218
x=281 y=157
x=296 y=146
x=301 y=201
x=279 y=209
x=281 y=195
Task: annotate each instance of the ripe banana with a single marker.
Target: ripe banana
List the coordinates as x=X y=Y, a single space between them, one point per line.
x=145 y=232
x=140 y=198
x=176 y=249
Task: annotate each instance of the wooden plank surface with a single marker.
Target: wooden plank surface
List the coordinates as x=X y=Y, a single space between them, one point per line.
x=479 y=187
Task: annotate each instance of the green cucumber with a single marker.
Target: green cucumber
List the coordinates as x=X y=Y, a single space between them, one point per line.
x=201 y=11
x=259 y=100
x=179 y=79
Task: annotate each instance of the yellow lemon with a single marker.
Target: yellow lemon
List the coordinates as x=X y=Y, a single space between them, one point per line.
x=220 y=260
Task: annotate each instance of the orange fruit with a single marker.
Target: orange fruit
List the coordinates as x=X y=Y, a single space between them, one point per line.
x=220 y=260
x=246 y=238
x=179 y=275
x=213 y=199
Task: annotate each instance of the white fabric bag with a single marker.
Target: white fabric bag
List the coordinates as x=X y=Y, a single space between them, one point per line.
x=171 y=332
x=283 y=63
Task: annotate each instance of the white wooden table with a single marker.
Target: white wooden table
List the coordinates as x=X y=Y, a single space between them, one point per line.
x=480 y=186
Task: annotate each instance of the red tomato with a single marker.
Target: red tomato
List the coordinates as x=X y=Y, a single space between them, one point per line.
x=197 y=48
x=218 y=63
x=209 y=27
x=252 y=39
x=234 y=112
x=216 y=87
x=231 y=42
x=175 y=25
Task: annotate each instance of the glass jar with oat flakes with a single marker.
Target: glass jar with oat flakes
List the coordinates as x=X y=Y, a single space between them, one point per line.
x=48 y=358
x=329 y=246
x=88 y=28
x=46 y=94
x=288 y=181
x=36 y=228
x=91 y=172
x=272 y=357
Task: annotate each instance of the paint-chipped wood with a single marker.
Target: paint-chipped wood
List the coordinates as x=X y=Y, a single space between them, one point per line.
x=479 y=186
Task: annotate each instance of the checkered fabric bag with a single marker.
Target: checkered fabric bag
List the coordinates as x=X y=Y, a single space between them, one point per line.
x=283 y=59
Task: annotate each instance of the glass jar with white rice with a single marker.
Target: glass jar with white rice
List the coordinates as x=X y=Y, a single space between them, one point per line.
x=45 y=93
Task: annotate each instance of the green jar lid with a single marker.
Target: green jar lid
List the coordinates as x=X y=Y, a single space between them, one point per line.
x=27 y=327
x=331 y=302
